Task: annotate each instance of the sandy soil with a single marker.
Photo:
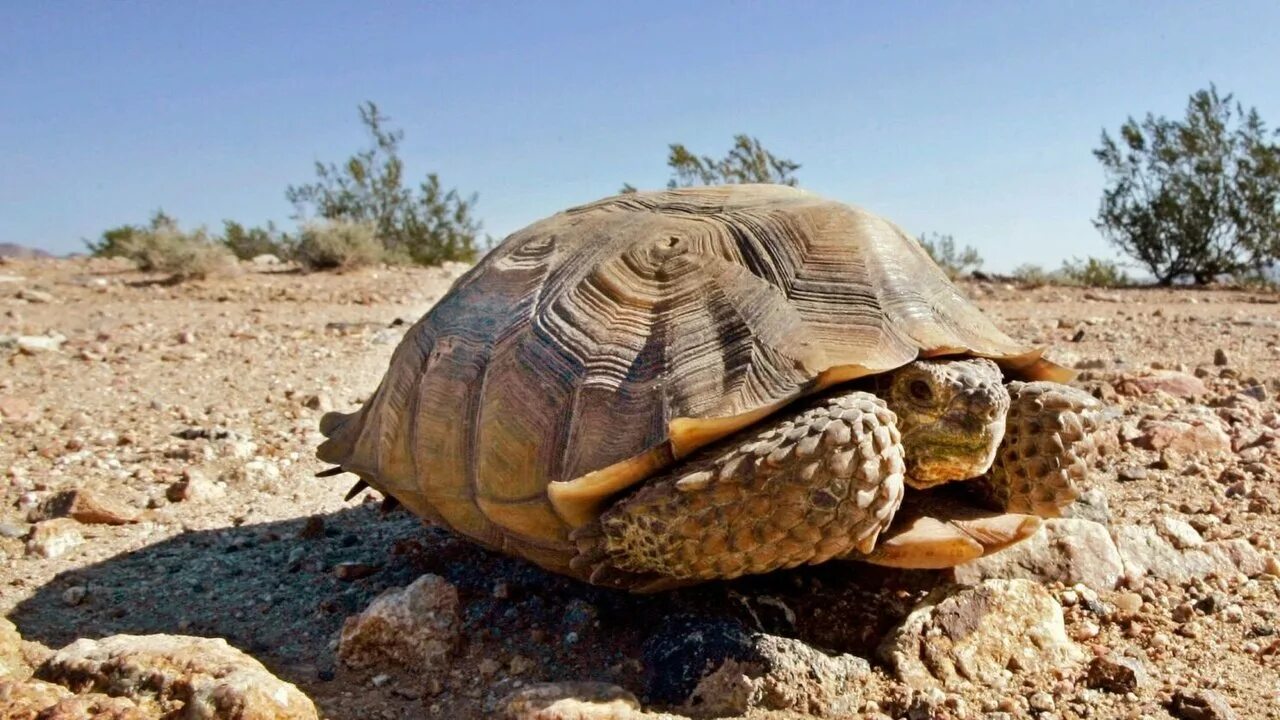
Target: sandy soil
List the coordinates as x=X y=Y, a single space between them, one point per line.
x=224 y=380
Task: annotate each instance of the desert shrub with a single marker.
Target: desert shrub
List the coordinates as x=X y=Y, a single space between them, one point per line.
x=119 y=241
x=429 y=226
x=746 y=162
x=1032 y=275
x=183 y=255
x=247 y=243
x=1093 y=272
x=338 y=245
x=955 y=262
x=1194 y=199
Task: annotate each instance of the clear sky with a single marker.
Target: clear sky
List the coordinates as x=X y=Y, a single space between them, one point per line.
x=970 y=118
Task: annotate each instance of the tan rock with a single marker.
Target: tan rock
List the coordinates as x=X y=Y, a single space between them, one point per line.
x=88 y=507
x=1186 y=437
x=1170 y=381
x=25 y=699
x=205 y=677
x=95 y=706
x=11 y=658
x=415 y=626
x=572 y=701
x=781 y=674
x=974 y=634
x=1066 y=550
x=54 y=538
x=17 y=410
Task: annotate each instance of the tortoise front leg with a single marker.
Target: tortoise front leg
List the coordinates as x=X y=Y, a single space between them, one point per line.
x=816 y=484
x=1049 y=446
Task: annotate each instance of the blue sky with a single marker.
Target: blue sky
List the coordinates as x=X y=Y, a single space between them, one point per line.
x=970 y=118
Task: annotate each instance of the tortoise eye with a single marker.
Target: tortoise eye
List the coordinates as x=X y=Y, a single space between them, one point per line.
x=920 y=391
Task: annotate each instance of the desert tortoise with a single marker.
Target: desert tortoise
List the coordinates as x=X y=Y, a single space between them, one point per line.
x=662 y=388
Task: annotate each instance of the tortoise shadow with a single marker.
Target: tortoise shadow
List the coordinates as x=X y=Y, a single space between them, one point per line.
x=271 y=590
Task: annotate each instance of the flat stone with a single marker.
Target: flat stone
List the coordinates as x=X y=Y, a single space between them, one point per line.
x=1067 y=550
x=572 y=701
x=1200 y=705
x=1186 y=437
x=963 y=634
x=1175 y=383
x=87 y=507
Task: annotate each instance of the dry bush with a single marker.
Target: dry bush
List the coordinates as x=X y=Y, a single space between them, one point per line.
x=337 y=245
x=183 y=255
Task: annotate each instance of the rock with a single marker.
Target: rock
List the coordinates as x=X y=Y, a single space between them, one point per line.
x=416 y=627
x=571 y=701
x=1067 y=550
x=85 y=506
x=266 y=260
x=262 y=475
x=716 y=667
x=205 y=677
x=37 y=344
x=53 y=538
x=1131 y=473
x=1170 y=381
x=1178 y=532
x=23 y=700
x=1220 y=357
x=34 y=296
x=74 y=595
x=349 y=571
x=781 y=674
x=1235 y=555
x=1091 y=505
x=11 y=659
x=95 y=706
x=18 y=410
x=320 y=401
x=972 y=634
x=1127 y=604
x=1185 y=437
x=1200 y=705
x=195 y=486
x=1117 y=674
x=1147 y=552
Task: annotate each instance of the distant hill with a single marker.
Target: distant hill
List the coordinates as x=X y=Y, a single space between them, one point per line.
x=10 y=250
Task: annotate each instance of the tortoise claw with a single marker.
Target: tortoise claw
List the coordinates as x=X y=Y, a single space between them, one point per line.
x=356 y=489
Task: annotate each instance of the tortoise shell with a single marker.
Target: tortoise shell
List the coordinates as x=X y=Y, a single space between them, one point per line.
x=595 y=347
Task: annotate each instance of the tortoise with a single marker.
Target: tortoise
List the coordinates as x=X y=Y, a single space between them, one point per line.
x=663 y=388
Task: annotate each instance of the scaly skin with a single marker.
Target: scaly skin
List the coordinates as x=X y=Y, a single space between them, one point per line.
x=825 y=481
x=1048 y=448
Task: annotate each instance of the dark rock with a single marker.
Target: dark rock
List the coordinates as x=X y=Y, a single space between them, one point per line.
x=1117 y=674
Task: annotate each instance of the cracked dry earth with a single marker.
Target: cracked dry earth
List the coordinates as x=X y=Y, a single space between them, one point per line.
x=156 y=453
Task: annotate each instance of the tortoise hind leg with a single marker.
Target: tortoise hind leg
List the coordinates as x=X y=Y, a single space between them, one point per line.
x=813 y=485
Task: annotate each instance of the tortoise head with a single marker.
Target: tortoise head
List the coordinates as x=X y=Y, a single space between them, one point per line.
x=951 y=414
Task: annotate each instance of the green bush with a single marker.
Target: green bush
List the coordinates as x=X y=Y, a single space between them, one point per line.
x=955 y=262
x=1093 y=272
x=428 y=226
x=338 y=245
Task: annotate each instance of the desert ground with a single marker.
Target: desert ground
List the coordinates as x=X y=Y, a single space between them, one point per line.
x=156 y=449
